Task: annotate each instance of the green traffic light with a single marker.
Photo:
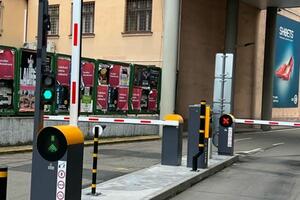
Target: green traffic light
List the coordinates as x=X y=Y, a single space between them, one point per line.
x=47 y=94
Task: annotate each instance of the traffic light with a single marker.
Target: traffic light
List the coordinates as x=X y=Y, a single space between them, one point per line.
x=226 y=120
x=48 y=89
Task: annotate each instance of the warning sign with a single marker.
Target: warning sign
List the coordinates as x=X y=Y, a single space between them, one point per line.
x=61 y=180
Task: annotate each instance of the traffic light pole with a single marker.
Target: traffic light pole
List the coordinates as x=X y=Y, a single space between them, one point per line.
x=40 y=64
x=43 y=26
x=76 y=59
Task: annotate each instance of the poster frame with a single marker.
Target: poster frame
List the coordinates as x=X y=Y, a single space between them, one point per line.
x=17 y=76
x=99 y=112
x=131 y=111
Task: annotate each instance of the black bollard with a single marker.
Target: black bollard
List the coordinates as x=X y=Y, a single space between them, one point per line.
x=97 y=131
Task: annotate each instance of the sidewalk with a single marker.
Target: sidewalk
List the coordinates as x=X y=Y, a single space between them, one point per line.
x=156 y=182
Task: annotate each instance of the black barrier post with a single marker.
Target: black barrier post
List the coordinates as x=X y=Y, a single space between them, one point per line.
x=97 y=132
x=203 y=143
x=3 y=183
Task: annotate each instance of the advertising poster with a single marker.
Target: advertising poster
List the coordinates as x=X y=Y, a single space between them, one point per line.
x=154 y=78
x=153 y=100
x=63 y=84
x=136 y=98
x=112 y=98
x=102 y=97
x=86 y=89
x=138 y=76
x=7 y=67
x=287 y=60
x=27 y=81
x=124 y=77
x=123 y=98
x=103 y=73
x=7 y=64
x=145 y=77
x=144 y=100
x=63 y=71
x=6 y=94
x=114 y=75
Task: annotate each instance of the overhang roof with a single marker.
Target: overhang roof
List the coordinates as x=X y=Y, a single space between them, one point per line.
x=263 y=4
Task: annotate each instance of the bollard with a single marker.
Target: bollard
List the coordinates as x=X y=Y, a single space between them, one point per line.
x=3 y=183
x=98 y=130
x=172 y=142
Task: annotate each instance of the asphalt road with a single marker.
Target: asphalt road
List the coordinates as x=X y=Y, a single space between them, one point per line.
x=114 y=160
x=269 y=169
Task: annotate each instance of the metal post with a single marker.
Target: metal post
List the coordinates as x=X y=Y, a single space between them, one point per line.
x=170 y=55
x=43 y=27
x=3 y=183
x=267 y=95
x=76 y=57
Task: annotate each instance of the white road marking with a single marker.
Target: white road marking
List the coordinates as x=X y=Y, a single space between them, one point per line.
x=250 y=151
x=242 y=139
x=277 y=144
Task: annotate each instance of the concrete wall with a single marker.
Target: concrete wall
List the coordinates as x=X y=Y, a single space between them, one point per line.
x=12 y=30
x=245 y=62
x=19 y=130
x=202 y=36
x=109 y=41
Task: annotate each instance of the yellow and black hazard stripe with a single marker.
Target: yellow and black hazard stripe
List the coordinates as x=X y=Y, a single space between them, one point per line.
x=3 y=182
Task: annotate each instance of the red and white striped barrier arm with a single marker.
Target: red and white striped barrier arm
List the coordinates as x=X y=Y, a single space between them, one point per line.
x=265 y=122
x=113 y=120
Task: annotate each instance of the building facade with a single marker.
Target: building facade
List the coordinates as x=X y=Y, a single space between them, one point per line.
x=120 y=30
x=132 y=31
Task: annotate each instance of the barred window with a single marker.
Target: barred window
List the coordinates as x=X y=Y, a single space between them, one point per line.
x=88 y=10
x=138 y=16
x=53 y=11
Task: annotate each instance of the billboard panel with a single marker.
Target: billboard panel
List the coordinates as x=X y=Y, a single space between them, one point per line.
x=287 y=61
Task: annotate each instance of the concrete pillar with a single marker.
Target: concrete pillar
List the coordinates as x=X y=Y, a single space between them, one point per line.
x=231 y=32
x=232 y=12
x=170 y=56
x=267 y=96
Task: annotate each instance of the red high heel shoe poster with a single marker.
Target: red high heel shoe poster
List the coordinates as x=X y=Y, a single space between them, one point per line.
x=287 y=61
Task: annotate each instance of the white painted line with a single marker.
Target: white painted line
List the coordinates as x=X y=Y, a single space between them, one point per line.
x=278 y=144
x=250 y=151
x=242 y=139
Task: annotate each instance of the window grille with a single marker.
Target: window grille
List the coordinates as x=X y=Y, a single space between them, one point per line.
x=138 y=16
x=88 y=10
x=53 y=11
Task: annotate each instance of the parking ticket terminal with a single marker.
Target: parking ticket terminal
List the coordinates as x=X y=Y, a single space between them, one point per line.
x=57 y=171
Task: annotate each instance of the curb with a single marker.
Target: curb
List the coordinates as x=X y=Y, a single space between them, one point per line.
x=103 y=141
x=176 y=189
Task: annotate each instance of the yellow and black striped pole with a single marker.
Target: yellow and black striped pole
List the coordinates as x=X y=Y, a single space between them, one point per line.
x=3 y=182
x=201 y=143
x=95 y=159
